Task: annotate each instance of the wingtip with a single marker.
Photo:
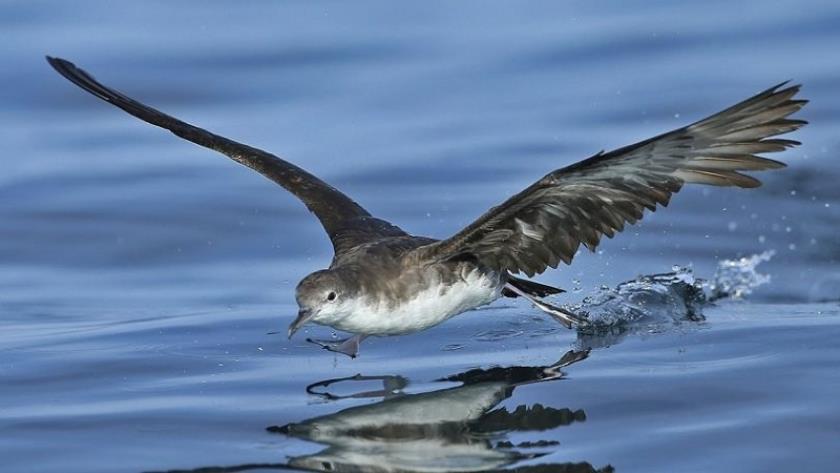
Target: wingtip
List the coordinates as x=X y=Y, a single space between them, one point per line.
x=62 y=66
x=785 y=85
x=781 y=84
x=793 y=88
x=55 y=61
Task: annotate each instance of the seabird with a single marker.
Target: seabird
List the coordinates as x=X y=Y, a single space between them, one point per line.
x=384 y=281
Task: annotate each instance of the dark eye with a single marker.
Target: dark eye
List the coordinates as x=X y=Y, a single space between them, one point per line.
x=331 y=296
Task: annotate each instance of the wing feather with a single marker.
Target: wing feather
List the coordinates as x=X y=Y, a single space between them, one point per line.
x=577 y=205
x=345 y=221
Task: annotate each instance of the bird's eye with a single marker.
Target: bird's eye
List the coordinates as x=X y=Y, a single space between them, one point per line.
x=331 y=296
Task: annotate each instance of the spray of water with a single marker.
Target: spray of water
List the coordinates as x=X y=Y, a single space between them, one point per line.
x=735 y=279
x=673 y=296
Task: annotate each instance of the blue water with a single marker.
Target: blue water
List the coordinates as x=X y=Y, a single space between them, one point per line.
x=140 y=275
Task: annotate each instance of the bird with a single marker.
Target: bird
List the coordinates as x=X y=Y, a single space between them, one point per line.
x=384 y=281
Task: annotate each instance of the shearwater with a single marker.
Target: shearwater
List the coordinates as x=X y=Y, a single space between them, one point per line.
x=384 y=281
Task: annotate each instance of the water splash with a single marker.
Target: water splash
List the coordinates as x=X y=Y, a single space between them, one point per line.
x=735 y=279
x=674 y=296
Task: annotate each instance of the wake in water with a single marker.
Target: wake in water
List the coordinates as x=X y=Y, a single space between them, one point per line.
x=650 y=301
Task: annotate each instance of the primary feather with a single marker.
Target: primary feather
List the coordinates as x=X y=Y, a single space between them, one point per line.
x=347 y=223
x=547 y=222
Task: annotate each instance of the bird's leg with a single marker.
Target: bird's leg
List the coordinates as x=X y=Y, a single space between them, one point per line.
x=348 y=346
x=391 y=386
x=554 y=371
x=563 y=316
x=571 y=357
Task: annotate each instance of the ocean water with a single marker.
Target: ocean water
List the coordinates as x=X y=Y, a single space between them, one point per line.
x=141 y=276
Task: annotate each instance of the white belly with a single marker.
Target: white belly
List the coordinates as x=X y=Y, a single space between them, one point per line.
x=427 y=308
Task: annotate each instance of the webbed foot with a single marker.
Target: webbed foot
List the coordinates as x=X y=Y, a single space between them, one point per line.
x=565 y=317
x=347 y=346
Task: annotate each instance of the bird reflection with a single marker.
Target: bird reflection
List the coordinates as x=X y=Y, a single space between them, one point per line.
x=453 y=429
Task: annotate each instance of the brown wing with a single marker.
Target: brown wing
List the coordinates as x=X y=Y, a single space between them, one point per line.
x=547 y=222
x=345 y=221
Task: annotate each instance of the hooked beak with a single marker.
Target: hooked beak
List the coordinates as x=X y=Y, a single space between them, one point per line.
x=303 y=317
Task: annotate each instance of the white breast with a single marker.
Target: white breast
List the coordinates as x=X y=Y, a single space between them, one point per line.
x=429 y=307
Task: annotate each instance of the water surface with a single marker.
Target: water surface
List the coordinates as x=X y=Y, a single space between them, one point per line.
x=140 y=275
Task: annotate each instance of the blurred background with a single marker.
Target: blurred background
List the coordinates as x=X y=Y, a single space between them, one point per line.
x=134 y=265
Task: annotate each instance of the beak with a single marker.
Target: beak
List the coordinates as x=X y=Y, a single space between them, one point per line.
x=303 y=317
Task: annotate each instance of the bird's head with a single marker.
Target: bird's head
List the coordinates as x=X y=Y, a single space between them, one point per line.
x=321 y=297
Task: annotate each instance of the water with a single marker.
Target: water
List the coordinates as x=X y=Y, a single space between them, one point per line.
x=140 y=275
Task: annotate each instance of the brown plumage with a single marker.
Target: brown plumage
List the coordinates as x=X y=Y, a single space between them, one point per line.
x=346 y=222
x=547 y=222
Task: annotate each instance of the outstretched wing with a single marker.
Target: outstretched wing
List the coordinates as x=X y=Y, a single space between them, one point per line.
x=346 y=222
x=547 y=222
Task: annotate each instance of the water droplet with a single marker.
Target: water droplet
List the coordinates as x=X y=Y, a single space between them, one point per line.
x=732 y=226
